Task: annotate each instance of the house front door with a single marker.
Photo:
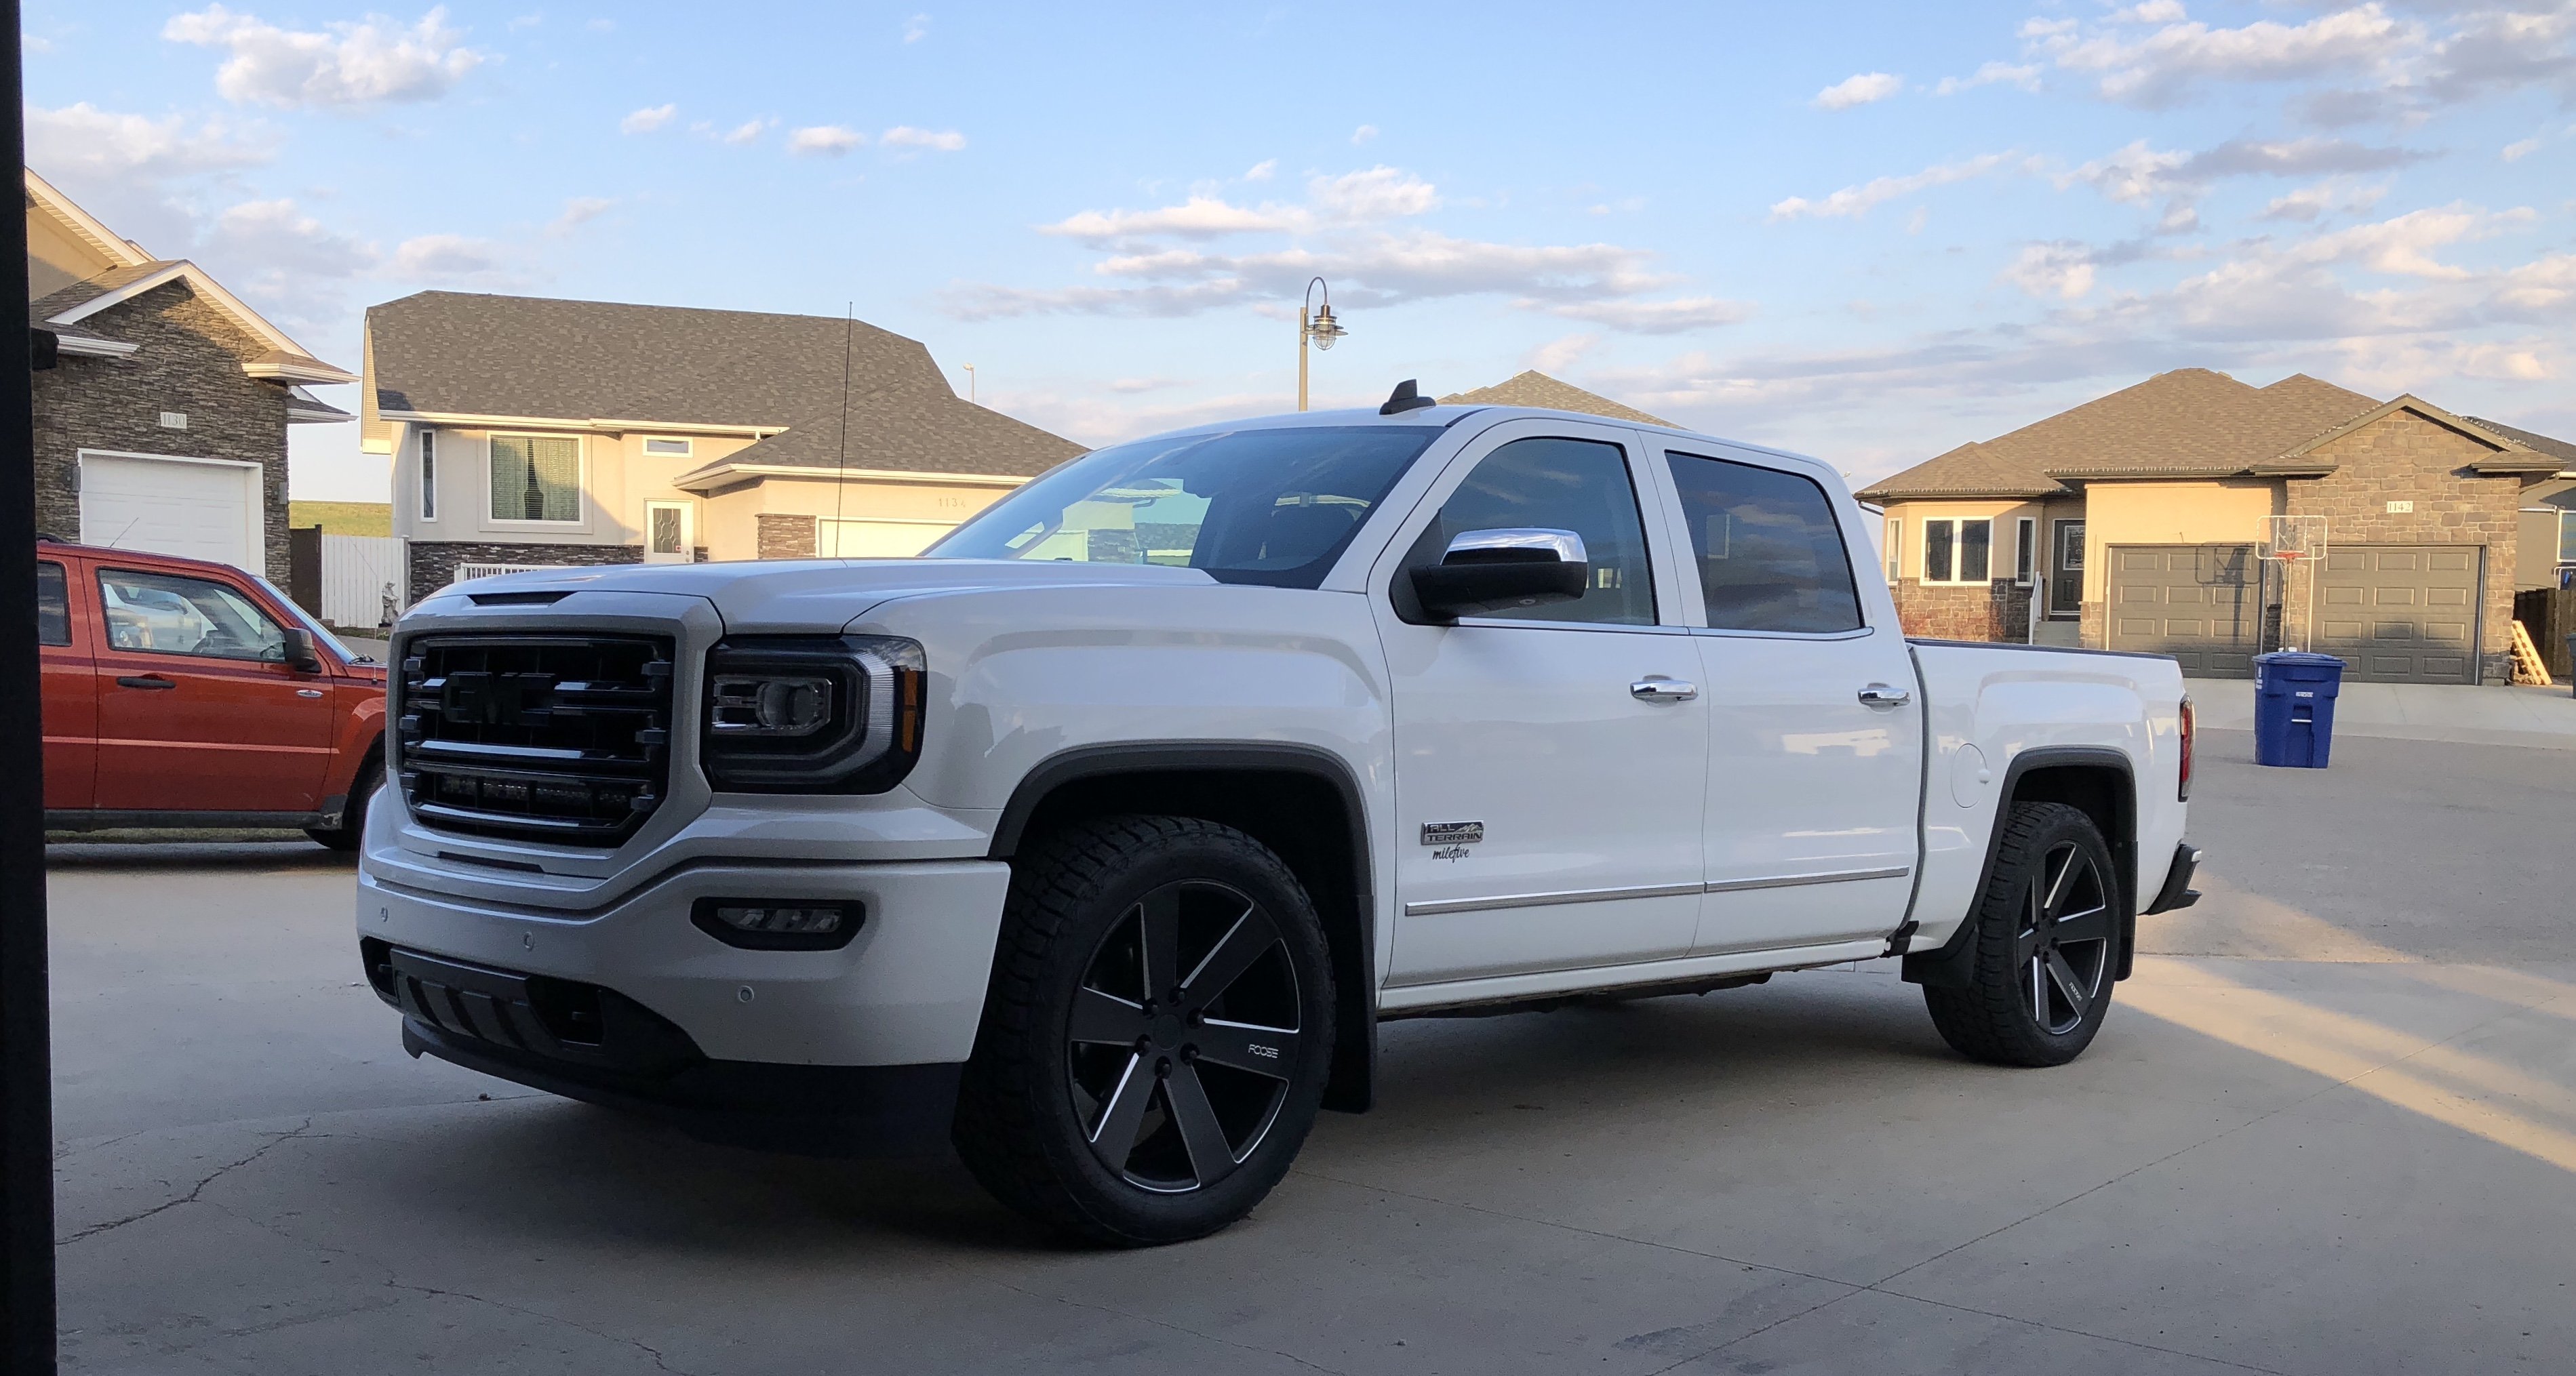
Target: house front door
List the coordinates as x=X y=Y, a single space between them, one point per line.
x=2066 y=570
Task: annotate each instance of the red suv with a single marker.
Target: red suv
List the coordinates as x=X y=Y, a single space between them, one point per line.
x=180 y=693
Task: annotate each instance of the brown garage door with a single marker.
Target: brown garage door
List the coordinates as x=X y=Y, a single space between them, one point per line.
x=2199 y=603
x=2401 y=613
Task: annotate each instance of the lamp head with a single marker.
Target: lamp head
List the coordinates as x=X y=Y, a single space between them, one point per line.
x=1326 y=329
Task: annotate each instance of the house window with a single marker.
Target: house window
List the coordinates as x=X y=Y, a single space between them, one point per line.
x=1958 y=551
x=1895 y=551
x=2567 y=537
x=2025 y=550
x=429 y=475
x=663 y=448
x=536 y=478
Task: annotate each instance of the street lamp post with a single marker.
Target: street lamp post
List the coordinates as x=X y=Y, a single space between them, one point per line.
x=1319 y=326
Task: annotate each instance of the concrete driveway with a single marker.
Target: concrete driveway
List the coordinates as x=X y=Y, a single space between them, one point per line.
x=2331 y=1128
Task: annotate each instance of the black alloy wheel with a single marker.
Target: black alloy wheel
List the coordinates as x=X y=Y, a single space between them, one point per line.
x=1157 y=1035
x=1183 y=1033
x=2064 y=945
x=2044 y=944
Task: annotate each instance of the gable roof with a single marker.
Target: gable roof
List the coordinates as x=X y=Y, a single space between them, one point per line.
x=603 y=365
x=1534 y=388
x=2191 y=422
x=2558 y=449
x=2507 y=455
x=70 y=312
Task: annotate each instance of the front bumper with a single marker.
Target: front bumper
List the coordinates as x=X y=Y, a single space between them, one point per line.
x=707 y=1027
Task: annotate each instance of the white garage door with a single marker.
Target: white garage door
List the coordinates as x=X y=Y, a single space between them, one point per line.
x=874 y=539
x=193 y=508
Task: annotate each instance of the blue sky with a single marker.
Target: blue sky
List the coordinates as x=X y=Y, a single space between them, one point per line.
x=1864 y=232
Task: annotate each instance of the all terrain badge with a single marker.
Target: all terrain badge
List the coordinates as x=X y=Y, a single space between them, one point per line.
x=1453 y=833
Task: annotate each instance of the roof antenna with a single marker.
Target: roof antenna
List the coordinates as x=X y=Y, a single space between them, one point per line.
x=1406 y=397
x=841 y=466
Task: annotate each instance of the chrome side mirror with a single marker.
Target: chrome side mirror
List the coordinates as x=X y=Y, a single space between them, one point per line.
x=1501 y=570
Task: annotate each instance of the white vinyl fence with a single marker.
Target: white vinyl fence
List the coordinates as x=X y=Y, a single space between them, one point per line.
x=468 y=572
x=362 y=580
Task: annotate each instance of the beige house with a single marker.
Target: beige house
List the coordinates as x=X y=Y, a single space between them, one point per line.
x=538 y=433
x=2136 y=521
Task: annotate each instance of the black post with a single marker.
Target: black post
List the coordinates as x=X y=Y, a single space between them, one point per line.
x=26 y=1070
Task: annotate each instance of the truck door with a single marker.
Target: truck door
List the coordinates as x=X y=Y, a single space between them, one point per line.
x=1548 y=807
x=1815 y=744
x=70 y=703
x=198 y=710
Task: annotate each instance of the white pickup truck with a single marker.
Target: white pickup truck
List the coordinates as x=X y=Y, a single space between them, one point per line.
x=1102 y=839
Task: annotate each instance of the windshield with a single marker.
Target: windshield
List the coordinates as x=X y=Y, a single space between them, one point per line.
x=1273 y=507
x=314 y=624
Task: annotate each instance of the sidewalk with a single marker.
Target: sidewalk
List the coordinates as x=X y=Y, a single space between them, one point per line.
x=2539 y=717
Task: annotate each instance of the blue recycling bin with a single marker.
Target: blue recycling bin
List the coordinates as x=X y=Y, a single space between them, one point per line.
x=2294 y=707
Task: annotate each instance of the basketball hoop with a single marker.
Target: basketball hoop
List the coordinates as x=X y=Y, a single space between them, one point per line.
x=2291 y=541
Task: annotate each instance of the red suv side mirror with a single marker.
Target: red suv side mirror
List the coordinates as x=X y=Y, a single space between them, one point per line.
x=300 y=654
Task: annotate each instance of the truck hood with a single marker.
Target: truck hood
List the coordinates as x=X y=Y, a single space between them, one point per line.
x=821 y=595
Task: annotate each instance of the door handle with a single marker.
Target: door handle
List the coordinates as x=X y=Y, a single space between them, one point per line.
x=1656 y=688
x=145 y=681
x=1883 y=695
x=308 y=692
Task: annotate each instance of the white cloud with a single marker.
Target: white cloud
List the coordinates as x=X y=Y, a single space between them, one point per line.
x=83 y=141
x=648 y=119
x=579 y=211
x=905 y=136
x=2023 y=75
x=350 y=64
x=1261 y=171
x=451 y=258
x=278 y=238
x=2520 y=149
x=1854 y=201
x=2404 y=245
x=2139 y=174
x=2063 y=270
x=1364 y=133
x=524 y=21
x=2162 y=66
x=1654 y=317
x=2333 y=196
x=1370 y=196
x=829 y=139
x=1557 y=355
x=748 y=131
x=1862 y=89
x=916 y=28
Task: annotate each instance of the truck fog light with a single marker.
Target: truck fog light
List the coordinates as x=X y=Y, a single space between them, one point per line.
x=769 y=925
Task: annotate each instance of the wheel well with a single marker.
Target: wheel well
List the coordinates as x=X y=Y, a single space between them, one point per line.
x=2097 y=783
x=1309 y=814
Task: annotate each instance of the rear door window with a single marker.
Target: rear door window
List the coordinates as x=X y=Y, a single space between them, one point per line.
x=1771 y=556
x=53 y=605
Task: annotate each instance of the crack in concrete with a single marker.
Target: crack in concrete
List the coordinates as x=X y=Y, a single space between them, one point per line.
x=659 y=1361
x=194 y=1191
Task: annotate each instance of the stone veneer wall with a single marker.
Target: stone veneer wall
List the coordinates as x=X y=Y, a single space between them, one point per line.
x=2000 y=611
x=433 y=563
x=2403 y=457
x=781 y=535
x=190 y=362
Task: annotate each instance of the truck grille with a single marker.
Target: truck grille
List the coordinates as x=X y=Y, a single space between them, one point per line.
x=535 y=736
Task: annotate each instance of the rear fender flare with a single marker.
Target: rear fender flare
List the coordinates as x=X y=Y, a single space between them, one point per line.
x=1948 y=965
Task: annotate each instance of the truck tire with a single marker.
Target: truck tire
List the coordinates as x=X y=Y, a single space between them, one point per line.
x=1157 y=1033
x=353 y=814
x=2044 y=945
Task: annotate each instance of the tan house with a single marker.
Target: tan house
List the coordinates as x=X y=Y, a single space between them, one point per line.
x=2136 y=521
x=1534 y=388
x=534 y=433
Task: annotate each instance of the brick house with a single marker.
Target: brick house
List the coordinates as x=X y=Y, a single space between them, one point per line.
x=2136 y=521
x=162 y=423
x=539 y=433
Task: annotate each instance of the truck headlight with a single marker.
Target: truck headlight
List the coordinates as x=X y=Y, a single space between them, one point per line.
x=812 y=714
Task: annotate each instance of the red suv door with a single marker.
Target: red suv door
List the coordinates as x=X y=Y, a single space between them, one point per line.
x=197 y=709
x=70 y=700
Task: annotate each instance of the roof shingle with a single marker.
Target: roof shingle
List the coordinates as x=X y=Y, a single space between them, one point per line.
x=1534 y=388
x=457 y=353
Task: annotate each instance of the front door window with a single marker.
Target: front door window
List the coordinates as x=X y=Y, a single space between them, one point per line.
x=666 y=533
